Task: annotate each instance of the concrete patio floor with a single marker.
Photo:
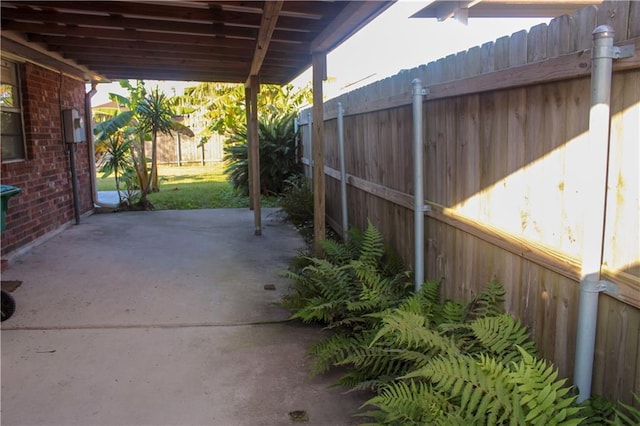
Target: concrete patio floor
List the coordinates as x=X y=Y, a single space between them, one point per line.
x=161 y=318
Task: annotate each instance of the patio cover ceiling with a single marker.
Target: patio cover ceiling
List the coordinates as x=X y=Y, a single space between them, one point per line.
x=219 y=41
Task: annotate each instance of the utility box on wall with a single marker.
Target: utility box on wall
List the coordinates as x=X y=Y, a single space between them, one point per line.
x=73 y=126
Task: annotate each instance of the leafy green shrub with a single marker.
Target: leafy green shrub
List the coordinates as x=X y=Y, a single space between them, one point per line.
x=296 y=201
x=278 y=157
x=346 y=285
x=478 y=390
x=430 y=361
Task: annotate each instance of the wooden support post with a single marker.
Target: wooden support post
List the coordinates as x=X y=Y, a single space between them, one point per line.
x=254 y=151
x=319 y=63
x=247 y=109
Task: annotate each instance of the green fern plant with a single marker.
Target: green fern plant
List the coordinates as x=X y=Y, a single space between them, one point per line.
x=483 y=390
x=346 y=285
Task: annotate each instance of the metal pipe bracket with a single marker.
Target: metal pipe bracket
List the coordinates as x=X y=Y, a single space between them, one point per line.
x=423 y=91
x=599 y=287
x=622 y=52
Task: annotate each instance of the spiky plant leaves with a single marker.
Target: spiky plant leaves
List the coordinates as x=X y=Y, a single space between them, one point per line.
x=278 y=158
x=627 y=415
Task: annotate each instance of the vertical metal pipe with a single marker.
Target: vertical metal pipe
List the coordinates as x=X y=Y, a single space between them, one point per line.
x=595 y=162
x=74 y=182
x=310 y=154
x=179 y=150
x=88 y=120
x=343 y=173
x=418 y=200
x=319 y=65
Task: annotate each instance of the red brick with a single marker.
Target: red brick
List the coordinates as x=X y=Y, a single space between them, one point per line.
x=45 y=202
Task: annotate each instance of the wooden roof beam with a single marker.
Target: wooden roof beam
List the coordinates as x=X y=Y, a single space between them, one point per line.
x=267 y=26
x=351 y=19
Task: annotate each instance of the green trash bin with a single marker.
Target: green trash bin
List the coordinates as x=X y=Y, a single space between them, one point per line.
x=7 y=191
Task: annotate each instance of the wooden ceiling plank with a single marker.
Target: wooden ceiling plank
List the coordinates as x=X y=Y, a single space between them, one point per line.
x=199 y=12
x=223 y=35
x=128 y=49
x=17 y=47
x=177 y=40
x=120 y=22
x=212 y=13
x=127 y=34
x=268 y=24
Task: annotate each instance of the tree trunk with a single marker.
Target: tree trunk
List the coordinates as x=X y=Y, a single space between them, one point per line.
x=154 y=150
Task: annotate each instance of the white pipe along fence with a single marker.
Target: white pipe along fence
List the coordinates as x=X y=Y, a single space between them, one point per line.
x=596 y=164
x=418 y=183
x=343 y=173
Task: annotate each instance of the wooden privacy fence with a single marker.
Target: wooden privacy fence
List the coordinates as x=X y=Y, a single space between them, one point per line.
x=505 y=127
x=187 y=150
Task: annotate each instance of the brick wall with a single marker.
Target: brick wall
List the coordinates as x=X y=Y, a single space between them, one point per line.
x=46 y=201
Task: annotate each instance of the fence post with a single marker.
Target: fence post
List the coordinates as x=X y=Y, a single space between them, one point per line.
x=343 y=173
x=594 y=186
x=310 y=155
x=418 y=183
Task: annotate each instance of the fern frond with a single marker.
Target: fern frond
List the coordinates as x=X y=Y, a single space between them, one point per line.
x=359 y=379
x=328 y=352
x=488 y=303
x=411 y=304
x=372 y=248
x=409 y=403
x=544 y=399
x=450 y=313
x=429 y=293
x=391 y=263
x=500 y=335
x=338 y=253
x=408 y=330
x=479 y=388
x=372 y=362
x=318 y=309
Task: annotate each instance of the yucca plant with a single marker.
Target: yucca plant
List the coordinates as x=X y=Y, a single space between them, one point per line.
x=278 y=158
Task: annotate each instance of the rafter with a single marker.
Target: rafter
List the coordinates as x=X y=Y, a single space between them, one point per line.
x=267 y=26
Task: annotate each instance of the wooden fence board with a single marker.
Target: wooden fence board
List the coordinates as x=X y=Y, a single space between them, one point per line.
x=634 y=20
x=503 y=143
x=622 y=250
x=537 y=43
x=582 y=25
x=558 y=36
x=616 y=15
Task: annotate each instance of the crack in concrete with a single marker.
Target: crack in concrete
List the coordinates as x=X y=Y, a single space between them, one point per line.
x=145 y=326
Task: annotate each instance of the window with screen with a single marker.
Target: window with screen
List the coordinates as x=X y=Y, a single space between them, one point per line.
x=12 y=136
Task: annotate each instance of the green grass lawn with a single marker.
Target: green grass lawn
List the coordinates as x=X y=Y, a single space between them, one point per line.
x=192 y=187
